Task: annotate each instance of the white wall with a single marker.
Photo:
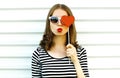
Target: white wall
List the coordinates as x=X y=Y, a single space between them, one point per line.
x=22 y=24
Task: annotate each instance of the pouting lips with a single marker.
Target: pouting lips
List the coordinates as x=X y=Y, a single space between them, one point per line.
x=59 y=29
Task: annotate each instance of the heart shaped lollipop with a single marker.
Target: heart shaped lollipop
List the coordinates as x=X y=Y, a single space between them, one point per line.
x=67 y=20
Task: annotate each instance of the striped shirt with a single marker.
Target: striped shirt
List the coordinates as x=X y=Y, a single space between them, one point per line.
x=46 y=66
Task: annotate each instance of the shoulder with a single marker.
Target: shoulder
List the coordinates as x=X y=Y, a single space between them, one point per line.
x=38 y=50
x=81 y=51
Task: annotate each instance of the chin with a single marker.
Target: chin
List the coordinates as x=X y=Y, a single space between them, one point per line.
x=59 y=33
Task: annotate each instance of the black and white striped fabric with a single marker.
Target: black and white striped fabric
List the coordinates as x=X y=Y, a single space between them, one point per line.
x=46 y=66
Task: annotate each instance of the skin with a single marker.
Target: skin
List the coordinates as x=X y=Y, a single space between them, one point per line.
x=59 y=50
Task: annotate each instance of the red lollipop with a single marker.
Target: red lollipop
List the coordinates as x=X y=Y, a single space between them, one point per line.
x=67 y=20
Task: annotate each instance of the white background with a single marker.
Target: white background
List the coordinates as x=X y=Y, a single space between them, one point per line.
x=22 y=24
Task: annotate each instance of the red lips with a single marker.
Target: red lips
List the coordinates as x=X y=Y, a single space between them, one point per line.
x=59 y=29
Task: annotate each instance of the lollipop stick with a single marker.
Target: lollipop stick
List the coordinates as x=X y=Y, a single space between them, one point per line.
x=68 y=37
x=69 y=41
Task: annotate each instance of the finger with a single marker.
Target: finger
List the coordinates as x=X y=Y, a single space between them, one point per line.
x=69 y=46
x=68 y=49
x=68 y=54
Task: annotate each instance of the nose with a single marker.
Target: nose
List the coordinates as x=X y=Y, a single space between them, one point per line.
x=59 y=22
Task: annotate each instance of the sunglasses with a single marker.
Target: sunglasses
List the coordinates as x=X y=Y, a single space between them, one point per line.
x=54 y=19
x=65 y=20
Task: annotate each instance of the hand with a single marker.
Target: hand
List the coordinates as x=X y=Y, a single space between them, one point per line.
x=71 y=52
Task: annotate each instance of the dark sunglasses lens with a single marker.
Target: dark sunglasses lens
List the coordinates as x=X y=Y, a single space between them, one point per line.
x=54 y=19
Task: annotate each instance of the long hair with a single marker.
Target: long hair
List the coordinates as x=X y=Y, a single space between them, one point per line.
x=47 y=40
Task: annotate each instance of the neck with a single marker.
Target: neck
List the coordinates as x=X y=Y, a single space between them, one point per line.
x=59 y=47
x=59 y=40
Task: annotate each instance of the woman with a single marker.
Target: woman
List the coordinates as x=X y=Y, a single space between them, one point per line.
x=59 y=55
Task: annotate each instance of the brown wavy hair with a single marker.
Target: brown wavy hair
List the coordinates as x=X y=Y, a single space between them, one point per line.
x=47 y=40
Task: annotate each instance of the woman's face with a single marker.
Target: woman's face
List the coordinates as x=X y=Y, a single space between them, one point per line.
x=58 y=28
